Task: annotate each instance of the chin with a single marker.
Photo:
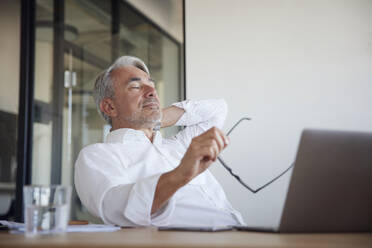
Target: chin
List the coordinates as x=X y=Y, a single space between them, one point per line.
x=154 y=117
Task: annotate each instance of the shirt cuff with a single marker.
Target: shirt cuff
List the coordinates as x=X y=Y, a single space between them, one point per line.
x=140 y=201
x=212 y=112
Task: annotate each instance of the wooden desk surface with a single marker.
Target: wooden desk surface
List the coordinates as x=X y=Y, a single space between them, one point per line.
x=150 y=237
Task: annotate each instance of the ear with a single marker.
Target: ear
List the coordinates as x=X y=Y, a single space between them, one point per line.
x=107 y=106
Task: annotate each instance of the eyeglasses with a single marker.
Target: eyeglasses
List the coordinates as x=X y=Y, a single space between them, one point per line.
x=237 y=177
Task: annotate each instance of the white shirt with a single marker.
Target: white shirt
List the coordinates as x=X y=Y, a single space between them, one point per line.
x=116 y=180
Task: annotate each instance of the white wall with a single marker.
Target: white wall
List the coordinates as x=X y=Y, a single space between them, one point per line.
x=288 y=64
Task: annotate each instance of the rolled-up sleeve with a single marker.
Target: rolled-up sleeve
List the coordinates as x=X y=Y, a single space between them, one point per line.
x=139 y=205
x=199 y=116
x=107 y=192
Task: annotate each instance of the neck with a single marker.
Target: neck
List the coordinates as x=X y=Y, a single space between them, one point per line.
x=150 y=133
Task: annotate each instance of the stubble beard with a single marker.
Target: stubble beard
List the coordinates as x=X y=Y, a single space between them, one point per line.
x=142 y=120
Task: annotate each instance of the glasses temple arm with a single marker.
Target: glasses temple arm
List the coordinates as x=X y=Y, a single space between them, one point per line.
x=245 y=185
x=237 y=177
x=236 y=124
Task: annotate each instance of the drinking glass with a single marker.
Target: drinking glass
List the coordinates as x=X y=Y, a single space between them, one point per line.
x=46 y=209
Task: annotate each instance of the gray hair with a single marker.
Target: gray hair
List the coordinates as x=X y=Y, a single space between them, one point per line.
x=104 y=84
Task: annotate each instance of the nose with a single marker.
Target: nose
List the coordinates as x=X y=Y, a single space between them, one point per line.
x=150 y=91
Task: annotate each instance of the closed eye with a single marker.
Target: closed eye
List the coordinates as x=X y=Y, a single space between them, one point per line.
x=135 y=85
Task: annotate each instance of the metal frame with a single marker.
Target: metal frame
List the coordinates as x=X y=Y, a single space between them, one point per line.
x=26 y=103
x=115 y=28
x=184 y=47
x=58 y=90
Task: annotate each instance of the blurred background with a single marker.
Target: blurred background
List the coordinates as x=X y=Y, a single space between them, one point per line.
x=74 y=40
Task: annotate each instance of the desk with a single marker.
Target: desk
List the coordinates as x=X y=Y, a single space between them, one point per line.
x=150 y=237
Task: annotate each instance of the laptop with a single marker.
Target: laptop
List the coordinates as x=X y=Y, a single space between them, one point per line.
x=330 y=188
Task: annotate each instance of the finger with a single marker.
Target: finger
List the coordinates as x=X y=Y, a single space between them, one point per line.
x=213 y=133
x=213 y=142
x=226 y=140
x=215 y=149
x=209 y=152
x=210 y=133
x=222 y=138
x=204 y=165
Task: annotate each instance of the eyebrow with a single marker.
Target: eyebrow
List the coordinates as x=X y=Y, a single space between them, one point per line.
x=133 y=79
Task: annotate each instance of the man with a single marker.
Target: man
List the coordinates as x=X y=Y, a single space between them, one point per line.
x=138 y=178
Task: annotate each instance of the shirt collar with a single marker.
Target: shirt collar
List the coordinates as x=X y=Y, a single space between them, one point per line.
x=124 y=135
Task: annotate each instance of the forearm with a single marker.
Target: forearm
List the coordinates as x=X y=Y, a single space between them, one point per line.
x=168 y=184
x=171 y=115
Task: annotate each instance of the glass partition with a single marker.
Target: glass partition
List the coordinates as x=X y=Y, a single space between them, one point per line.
x=43 y=94
x=94 y=34
x=9 y=97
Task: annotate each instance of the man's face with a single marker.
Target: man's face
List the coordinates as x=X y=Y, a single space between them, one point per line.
x=135 y=99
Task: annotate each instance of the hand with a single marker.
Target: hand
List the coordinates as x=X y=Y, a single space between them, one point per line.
x=202 y=152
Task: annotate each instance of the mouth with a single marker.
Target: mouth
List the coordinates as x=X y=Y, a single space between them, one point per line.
x=151 y=105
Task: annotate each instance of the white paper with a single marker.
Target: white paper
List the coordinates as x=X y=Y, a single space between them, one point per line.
x=20 y=227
